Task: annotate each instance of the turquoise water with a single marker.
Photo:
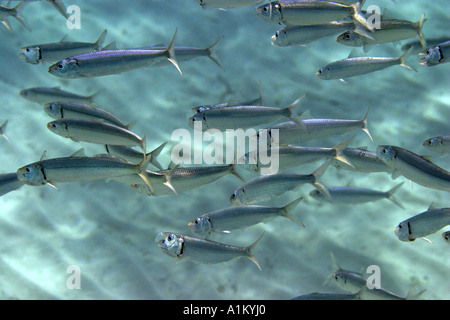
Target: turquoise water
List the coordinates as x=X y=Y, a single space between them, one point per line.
x=108 y=230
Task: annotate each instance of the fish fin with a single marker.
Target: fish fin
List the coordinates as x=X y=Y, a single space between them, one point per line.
x=367 y=47
x=51 y=185
x=111 y=46
x=410 y=296
x=171 y=50
x=250 y=254
x=143 y=170
x=426 y=239
x=78 y=153
x=92 y=97
x=392 y=191
x=340 y=149
x=154 y=156
x=43 y=155
x=211 y=49
x=143 y=141
x=63 y=39
x=359 y=17
x=130 y=125
x=19 y=16
x=364 y=120
x=286 y=211
x=318 y=173
x=168 y=176
x=3 y=130
x=360 y=29
x=431 y=207
x=260 y=94
x=294 y=117
x=419 y=30
x=6 y=24
x=101 y=39
x=395 y=174
x=353 y=54
x=403 y=58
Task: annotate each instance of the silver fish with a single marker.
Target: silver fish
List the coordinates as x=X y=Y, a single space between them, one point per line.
x=227 y=4
x=244 y=117
x=134 y=156
x=362 y=161
x=423 y=224
x=9 y=182
x=108 y=62
x=438 y=54
x=315 y=129
x=74 y=110
x=13 y=12
x=356 y=66
x=293 y=156
x=201 y=250
x=389 y=31
x=203 y=108
x=227 y=219
x=440 y=144
x=265 y=188
x=308 y=12
x=417 y=46
x=95 y=132
x=51 y=52
x=353 y=195
x=330 y=296
x=414 y=167
x=44 y=95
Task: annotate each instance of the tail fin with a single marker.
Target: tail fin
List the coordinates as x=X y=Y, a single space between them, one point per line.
x=286 y=211
x=359 y=17
x=100 y=40
x=3 y=130
x=318 y=173
x=154 y=156
x=403 y=58
x=250 y=254
x=392 y=191
x=92 y=97
x=19 y=17
x=364 y=120
x=340 y=149
x=170 y=49
x=419 y=30
x=142 y=166
x=291 y=114
x=211 y=49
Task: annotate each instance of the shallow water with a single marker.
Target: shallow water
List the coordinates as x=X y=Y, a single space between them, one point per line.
x=108 y=230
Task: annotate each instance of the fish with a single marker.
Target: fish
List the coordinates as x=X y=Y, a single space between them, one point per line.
x=3 y=130
x=267 y=187
x=351 y=281
x=362 y=160
x=417 y=46
x=227 y=219
x=356 y=66
x=75 y=110
x=79 y=168
x=423 y=224
x=309 y=12
x=293 y=156
x=181 y=179
x=95 y=132
x=203 y=108
x=302 y=35
x=188 y=53
x=446 y=236
x=243 y=117
x=440 y=144
x=9 y=182
x=353 y=195
x=134 y=156
x=108 y=62
x=59 y=5
x=227 y=4
x=289 y=133
x=13 y=12
x=44 y=95
x=51 y=52
x=389 y=31
x=330 y=296
x=436 y=55
x=202 y=250
x=414 y=167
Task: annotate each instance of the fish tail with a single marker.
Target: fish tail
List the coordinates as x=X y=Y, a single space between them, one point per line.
x=292 y=115
x=419 y=30
x=142 y=166
x=3 y=130
x=364 y=121
x=340 y=149
x=92 y=97
x=171 y=50
x=359 y=17
x=143 y=141
x=19 y=17
x=319 y=186
x=154 y=156
x=286 y=211
x=392 y=191
x=211 y=49
x=403 y=58
x=168 y=176
x=250 y=254
x=101 y=39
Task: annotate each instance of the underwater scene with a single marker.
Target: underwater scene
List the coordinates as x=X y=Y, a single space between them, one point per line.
x=338 y=189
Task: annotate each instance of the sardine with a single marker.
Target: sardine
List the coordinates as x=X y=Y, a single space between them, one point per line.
x=51 y=52
x=440 y=144
x=265 y=188
x=44 y=95
x=423 y=224
x=417 y=46
x=108 y=62
x=438 y=54
x=353 y=195
x=362 y=161
x=356 y=66
x=201 y=250
x=13 y=12
x=330 y=296
x=227 y=4
x=9 y=182
x=414 y=167
x=225 y=220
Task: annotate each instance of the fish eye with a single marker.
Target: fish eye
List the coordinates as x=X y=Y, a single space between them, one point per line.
x=265 y=9
x=276 y=35
x=27 y=169
x=347 y=36
x=233 y=196
x=169 y=238
x=60 y=66
x=204 y=118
